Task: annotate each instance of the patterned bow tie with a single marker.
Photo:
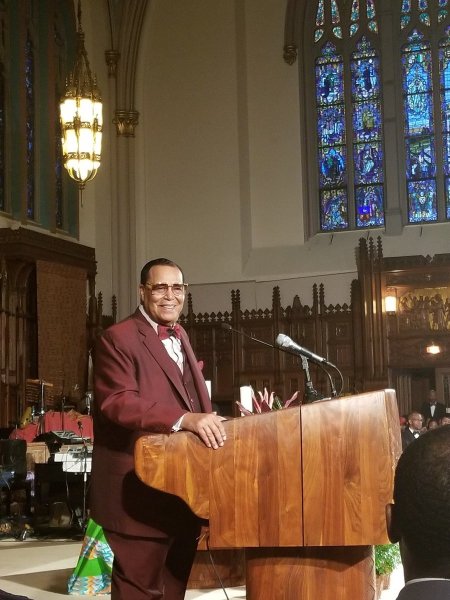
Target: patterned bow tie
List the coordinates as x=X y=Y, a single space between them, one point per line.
x=165 y=332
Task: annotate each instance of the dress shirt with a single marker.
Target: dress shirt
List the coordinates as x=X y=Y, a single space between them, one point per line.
x=174 y=349
x=172 y=344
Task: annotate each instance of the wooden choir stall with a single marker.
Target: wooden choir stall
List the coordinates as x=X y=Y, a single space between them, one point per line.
x=303 y=490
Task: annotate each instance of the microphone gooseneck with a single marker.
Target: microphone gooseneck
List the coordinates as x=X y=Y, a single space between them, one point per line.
x=285 y=343
x=228 y=327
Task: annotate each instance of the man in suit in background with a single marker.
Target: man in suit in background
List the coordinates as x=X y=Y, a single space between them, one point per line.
x=147 y=379
x=412 y=429
x=419 y=518
x=432 y=409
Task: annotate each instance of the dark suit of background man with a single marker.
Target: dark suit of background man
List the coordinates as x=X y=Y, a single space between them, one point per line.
x=432 y=409
x=420 y=519
x=146 y=384
x=412 y=429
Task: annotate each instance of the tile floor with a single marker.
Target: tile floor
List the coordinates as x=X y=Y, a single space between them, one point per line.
x=39 y=569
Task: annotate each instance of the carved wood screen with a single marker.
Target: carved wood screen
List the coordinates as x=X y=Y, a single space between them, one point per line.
x=395 y=344
x=373 y=349
x=28 y=331
x=232 y=360
x=62 y=334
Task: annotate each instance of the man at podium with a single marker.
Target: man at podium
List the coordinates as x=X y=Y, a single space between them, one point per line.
x=147 y=379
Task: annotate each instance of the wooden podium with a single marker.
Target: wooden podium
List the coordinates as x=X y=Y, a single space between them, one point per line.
x=303 y=490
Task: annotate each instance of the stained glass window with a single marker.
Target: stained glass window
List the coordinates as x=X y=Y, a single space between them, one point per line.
x=2 y=139
x=444 y=70
x=347 y=116
x=419 y=129
x=37 y=49
x=371 y=16
x=367 y=136
x=354 y=26
x=336 y=19
x=442 y=14
x=320 y=19
x=30 y=125
x=58 y=175
x=350 y=146
x=331 y=139
x=406 y=13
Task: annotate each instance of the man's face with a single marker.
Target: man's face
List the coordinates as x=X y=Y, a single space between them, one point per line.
x=415 y=421
x=163 y=308
x=432 y=397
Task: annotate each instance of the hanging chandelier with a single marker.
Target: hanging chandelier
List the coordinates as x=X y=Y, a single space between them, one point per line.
x=81 y=117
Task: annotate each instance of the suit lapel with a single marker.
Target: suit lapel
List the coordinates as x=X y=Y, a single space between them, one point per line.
x=154 y=345
x=197 y=376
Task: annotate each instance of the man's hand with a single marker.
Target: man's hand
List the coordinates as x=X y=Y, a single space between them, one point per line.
x=208 y=426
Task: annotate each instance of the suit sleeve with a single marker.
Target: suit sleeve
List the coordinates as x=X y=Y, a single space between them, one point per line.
x=120 y=395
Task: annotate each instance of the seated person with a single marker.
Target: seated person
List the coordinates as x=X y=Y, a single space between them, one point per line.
x=412 y=429
x=432 y=424
x=419 y=517
x=444 y=421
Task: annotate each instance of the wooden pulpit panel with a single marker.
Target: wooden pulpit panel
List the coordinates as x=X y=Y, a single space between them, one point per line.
x=276 y=482
x=256 y=489
x=250 y=489
x=304 y=490
x=177 y=464
x=350 y=449
x=343 y=573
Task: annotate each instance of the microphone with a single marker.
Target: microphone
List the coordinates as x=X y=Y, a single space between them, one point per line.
x=285 y=343
x=228 y=327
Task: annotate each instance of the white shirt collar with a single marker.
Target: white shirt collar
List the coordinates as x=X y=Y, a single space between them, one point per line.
x=153 y=323
x=426 y=579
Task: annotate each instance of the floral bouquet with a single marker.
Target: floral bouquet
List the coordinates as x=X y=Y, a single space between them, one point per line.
x=268 y=402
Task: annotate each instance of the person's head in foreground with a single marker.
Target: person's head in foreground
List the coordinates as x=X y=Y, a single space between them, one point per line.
x=420 y=517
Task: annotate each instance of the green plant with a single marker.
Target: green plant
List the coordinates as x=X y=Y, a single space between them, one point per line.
x=387 y=557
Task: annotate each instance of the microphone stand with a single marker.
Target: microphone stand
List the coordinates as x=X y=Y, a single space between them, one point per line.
x=63 y=406
x=41 y=407
x=82 y=520
x=311 y=394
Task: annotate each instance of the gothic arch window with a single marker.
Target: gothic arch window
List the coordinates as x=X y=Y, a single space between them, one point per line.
x=59 y=188
x=60 y=196
x=378 y=124
x=3 y=94
x=348 y=173
x=425 y=58
x=2 y=139
x=37 y=48
x=30 y=125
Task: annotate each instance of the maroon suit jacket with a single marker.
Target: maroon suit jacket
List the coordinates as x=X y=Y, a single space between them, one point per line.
x=138 y=389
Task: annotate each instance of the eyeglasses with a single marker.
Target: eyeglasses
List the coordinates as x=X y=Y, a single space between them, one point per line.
x=161 y=289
